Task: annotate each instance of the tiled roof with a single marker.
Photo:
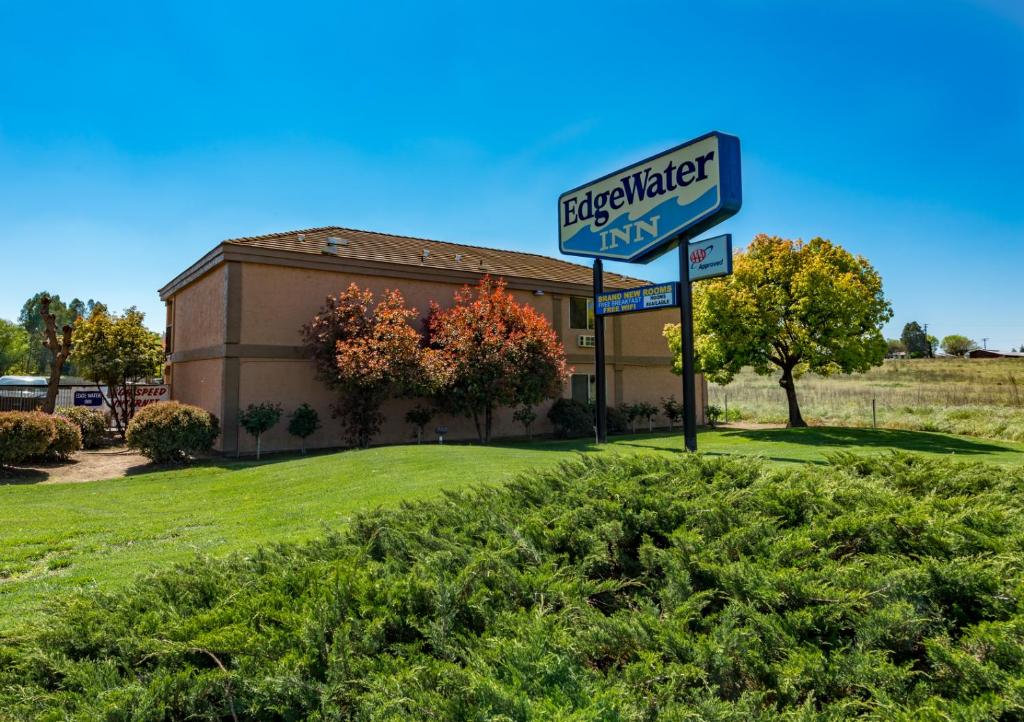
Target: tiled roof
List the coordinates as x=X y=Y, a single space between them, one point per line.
x=426 y=253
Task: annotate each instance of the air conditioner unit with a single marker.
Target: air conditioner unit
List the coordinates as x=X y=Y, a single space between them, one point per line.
x=585 y=340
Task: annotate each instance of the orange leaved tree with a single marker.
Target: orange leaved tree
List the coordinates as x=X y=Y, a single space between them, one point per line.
x=367 y=352
x=488 y=351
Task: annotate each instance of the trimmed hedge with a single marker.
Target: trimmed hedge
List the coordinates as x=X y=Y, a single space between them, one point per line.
x=172 y=431
x=571 y=418
x=630 y=588
x=24 y=435
x=93 y=424
x=67 y=439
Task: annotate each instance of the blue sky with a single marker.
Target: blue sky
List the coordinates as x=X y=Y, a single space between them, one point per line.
x=135 y=136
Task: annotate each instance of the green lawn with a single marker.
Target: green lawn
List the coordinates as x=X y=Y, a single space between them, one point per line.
x=63 y=536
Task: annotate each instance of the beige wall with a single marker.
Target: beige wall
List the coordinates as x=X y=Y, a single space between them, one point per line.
x=265 y=333
x=198 y=313
x=199 y=383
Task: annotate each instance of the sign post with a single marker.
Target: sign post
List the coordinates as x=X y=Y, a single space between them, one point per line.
x=599 y=372
x=642 y=211
x=686 y=338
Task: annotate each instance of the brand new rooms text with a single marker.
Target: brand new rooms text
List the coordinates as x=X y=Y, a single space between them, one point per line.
x=634 y=188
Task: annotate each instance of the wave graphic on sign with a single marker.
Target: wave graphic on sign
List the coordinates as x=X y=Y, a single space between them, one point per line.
x=672 y=216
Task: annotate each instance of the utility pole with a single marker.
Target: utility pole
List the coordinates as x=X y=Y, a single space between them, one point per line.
x=984 y=342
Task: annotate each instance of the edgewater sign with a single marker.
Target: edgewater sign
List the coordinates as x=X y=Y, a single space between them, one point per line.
x=637 y=213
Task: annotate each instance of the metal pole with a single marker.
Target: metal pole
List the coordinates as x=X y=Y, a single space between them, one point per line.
x=602 y=405
x=686 y=332
x=874 y=417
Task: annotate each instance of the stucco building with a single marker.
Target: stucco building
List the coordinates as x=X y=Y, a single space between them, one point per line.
x=234 y=323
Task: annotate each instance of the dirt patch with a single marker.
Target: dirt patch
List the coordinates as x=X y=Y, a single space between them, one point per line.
x=110 y=463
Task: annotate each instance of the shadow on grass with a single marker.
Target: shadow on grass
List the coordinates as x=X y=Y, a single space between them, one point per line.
x=844 y=438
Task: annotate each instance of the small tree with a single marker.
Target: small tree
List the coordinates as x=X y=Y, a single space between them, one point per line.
x=59 y=348
x=632 y=413
x=672 y=409
x=257 y=419
x=303 y=423
x=525 y=415
x=647 y=411
x=790 y=306
x=118 y=352
x=713 y=413
x=957 y=345
x=488 y=351
x=915 y=340
x=367 y=352
x=419 y=416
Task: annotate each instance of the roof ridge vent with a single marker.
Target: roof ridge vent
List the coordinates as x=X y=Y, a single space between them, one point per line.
x=332 y=244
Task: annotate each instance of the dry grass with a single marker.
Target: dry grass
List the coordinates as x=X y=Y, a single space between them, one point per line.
x=974 y=397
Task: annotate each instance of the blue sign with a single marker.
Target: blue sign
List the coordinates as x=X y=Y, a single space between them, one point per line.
x=711 y=257
x=88 y=398
x=637 y=213
x=644 y=298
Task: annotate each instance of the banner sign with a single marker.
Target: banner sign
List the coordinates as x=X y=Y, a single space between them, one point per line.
x=88 y=398
x=711 y=257
x=645 y=298
x=637 y=213
x=145 y=394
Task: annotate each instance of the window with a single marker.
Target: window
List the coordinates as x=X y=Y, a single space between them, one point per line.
x=583 y=387
x=581 y=313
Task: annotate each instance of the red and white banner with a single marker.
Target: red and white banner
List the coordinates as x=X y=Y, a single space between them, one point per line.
x=144 y=394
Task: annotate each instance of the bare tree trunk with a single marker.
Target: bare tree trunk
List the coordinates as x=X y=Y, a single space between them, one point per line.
x=786 y=382
x=479 y=429
x=488 y=419
x=59 y=350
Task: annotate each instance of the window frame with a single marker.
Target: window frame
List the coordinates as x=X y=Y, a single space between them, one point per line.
x=589 y=311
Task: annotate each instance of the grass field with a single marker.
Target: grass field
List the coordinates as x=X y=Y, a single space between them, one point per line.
x=99 y=534
x=959 y=396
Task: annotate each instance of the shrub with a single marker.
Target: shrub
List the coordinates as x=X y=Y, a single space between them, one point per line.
x=713 y=414
x=571 y=418
x=67 y=439
x=24 y=435
x=172 y=431
x=617 y=421
x=93 y=424
x=634 y=588
x=303 y=423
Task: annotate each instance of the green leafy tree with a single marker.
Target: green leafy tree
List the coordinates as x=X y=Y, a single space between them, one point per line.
x=117 y=352
x=957 y=345
x=915 y=340
x=303 y=423
x=13 y=348
x=789 y=306
x=933 y=345
x=258 y=419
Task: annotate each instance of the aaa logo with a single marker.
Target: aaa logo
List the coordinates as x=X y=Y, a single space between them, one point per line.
x=699 y=254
